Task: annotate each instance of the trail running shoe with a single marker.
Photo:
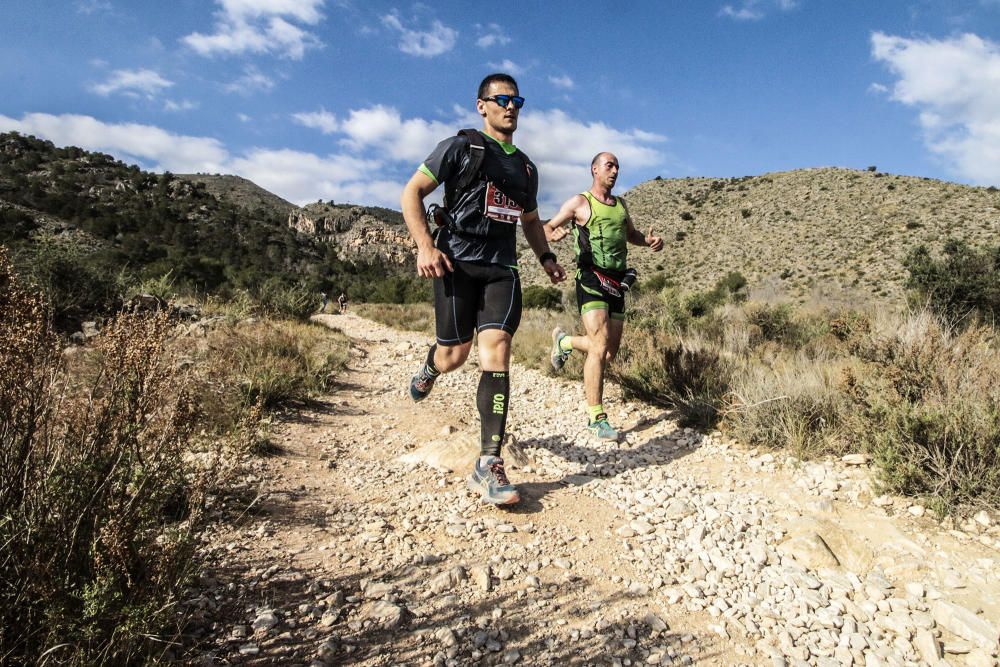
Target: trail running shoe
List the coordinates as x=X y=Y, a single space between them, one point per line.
x=558 y=356
x=602 y=429
x=491 y=482
x=421 y=385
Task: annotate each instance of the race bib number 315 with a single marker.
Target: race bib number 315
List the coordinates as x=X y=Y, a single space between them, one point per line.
x=500 y=207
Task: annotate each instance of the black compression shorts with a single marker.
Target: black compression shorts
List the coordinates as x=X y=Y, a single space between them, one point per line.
x=475 y=297
x=588 y=298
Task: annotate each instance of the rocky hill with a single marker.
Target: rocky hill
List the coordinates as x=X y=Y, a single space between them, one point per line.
x=839 y=235
x=836 y=234
x=365 y=233
x=242 y=192
x=355 y=233
x=207 y=233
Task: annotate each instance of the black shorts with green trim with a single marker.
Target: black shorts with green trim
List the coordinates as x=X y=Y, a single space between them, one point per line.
x=475 y=297
x=589 y=299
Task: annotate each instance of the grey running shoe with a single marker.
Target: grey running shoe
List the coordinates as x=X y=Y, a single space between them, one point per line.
x=602 y=429
x=558 y=356
x=421 y=384
x=490 y=481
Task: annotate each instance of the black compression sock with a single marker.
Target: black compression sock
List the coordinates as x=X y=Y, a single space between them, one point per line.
x=429 y=367
x=492 y=399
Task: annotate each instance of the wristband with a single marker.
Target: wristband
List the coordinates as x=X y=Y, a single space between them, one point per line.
x=545 y=256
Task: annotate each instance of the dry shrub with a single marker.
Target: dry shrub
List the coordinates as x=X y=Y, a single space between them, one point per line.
x=532 y=344
x=97 y=507
x=799 y=403
x=929 y=408
x=406 y=317
x=686 y=373
x=270 y=364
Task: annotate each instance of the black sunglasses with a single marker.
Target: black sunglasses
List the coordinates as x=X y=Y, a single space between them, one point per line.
x=504 y=100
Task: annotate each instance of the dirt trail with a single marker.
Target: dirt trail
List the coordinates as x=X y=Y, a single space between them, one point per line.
x=668 y=548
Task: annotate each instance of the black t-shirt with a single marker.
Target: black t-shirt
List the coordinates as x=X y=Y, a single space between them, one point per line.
x=486 y=214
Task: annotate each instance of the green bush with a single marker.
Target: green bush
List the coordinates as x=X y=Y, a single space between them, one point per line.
x=293 y=301
x=774 y=322
x=654 y=283
x=273 y=364
x=394 y=289
x=962 y=284
x=77 y=283
x=536 y=296
x=928 y=410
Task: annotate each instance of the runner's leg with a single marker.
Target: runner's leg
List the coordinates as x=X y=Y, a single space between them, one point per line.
x=596 y=323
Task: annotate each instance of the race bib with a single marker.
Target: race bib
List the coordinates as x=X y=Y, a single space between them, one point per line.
x=500 y=207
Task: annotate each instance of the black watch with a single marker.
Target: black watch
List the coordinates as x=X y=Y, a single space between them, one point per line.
x=547 y=256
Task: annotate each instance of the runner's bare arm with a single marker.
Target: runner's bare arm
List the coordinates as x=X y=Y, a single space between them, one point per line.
x=568 y=212
x=635 y=237
x=431 y=262
x=535 y=235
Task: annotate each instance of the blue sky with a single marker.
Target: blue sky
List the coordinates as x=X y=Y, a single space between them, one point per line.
x=341 y=100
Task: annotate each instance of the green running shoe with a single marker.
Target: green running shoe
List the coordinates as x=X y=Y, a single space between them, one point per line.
x=602 y=429
x=558 y=356
x=490 y=481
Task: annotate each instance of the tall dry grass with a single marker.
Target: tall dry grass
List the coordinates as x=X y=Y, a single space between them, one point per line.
x=406 y=317
x=97 y=508
x=106 y=457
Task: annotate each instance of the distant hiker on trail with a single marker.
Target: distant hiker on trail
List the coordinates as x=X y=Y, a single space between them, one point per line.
x=325 y=301
x=342 y=300
x=602 y=231
x=472 y=257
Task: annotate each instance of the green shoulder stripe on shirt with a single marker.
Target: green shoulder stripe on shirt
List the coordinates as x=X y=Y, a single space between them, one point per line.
x=424 y=170
x=507 y=148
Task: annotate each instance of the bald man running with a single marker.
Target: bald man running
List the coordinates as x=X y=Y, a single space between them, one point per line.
x=602 y=230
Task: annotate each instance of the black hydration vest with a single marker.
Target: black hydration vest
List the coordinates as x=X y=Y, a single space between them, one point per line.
x=471 y=199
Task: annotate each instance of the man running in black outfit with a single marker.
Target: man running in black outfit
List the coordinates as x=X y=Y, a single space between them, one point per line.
x=472 y=258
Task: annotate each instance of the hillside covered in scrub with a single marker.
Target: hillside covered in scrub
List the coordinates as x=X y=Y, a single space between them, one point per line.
x=841 y=234
x=81 y=216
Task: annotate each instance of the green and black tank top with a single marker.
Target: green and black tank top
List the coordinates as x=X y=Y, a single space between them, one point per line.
x=602 y=242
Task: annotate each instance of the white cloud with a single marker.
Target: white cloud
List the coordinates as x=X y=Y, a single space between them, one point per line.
x=439 y=39
x=92 y=6
x=252 y=81
x=382 y=129
x=306 y=11
x=321 y=120
x=754 y=10
x=183 y=105
x=260 y=26
x=562 y=148
x=302 y=177
x=243 y=118
x=564 y=82
x=560 y=145
x=132 y=82
x=507 y=66
x=745 y=13
x=878 y=89
x=491 y=35
x=377 y=148
x=954 y=84
x=156 y=148
x=298 y=176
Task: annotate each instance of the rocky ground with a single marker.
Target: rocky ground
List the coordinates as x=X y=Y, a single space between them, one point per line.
x=358 y=542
